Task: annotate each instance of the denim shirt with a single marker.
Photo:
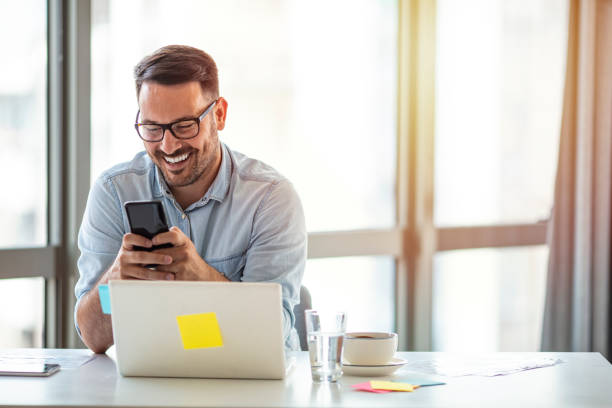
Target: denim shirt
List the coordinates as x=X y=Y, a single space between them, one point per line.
x=249 y=225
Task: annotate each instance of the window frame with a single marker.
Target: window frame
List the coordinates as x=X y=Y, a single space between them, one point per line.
x=413 y=241
x=42 y=261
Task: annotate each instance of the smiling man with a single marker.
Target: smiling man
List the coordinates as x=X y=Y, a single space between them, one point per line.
x=233 y=218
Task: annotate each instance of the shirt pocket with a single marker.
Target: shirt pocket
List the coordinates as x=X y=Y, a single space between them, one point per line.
x=230 y=266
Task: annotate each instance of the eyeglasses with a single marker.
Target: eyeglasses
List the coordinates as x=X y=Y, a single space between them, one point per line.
x=181 y=129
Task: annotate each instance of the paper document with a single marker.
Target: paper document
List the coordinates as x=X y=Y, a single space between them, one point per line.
x=67 y=359
x=487 y=365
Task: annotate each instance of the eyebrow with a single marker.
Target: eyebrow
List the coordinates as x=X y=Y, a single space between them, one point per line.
x=150 y=122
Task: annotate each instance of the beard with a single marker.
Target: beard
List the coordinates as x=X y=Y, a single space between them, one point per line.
x=202 y=161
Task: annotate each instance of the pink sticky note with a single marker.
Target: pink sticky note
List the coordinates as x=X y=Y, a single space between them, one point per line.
x=366 y=386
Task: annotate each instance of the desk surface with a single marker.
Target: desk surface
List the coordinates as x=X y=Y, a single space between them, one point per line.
x=582 y=380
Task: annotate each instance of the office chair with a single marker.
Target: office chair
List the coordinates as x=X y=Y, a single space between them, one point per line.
x=298 y=311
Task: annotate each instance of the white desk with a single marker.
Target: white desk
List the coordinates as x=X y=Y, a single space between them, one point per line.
x=583 y=380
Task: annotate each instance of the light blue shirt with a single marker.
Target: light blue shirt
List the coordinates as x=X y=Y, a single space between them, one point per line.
x=249 y=225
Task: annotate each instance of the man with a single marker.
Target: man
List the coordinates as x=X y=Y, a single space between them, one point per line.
x=233 y=218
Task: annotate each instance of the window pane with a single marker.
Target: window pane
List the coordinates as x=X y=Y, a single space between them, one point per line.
x=499 y=87
x=23 y=123
x=22 y=312
x=489 y=299
x=363 y=287
x=317 y=104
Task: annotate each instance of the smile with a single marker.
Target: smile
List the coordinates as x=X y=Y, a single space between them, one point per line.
x=176 y=159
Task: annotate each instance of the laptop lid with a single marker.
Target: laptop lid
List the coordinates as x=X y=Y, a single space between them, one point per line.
x=198 y=329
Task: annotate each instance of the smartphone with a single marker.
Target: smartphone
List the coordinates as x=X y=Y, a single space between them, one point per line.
x=28 y=369
x=147 y=218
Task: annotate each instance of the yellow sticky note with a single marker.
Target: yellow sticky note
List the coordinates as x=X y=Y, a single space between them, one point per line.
x=199 y=331
x=391 y=386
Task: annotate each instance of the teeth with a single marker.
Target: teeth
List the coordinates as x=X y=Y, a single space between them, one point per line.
x=177 y=158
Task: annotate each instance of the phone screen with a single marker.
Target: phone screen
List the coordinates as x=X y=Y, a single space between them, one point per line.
x=146 y=218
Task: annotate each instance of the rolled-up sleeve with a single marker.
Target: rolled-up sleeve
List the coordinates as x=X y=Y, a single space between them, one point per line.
x=99 y=238
x=277 y=250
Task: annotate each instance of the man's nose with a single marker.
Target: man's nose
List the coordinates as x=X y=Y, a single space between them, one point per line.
x=169 y=143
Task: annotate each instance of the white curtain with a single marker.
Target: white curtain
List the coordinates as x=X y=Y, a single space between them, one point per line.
x=578 y=308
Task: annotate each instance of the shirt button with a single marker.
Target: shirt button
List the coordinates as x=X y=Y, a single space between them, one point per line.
x=183 y=216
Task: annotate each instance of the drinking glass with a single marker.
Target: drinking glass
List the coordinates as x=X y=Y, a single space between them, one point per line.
x=325 y=333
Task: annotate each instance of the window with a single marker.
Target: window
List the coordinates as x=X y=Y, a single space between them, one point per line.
x=23 y=131
x=489 y=299
x=499 y=91
x=473 y=87
x=499 y=86
x=23 y=172
x=363 y=287
x=22 y=312
x=318 y=105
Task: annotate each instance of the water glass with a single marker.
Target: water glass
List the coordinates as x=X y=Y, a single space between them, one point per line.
x=325 y=333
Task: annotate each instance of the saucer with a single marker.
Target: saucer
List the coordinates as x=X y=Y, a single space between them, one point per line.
x=373 y=370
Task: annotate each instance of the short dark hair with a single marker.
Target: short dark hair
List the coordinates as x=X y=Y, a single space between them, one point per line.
x=177 y=64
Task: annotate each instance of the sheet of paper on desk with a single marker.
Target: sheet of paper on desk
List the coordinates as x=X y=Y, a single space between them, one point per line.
x=67 y=359
x=487 y=366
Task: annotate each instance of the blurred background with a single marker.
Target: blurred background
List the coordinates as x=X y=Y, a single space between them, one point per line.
x=315 y=90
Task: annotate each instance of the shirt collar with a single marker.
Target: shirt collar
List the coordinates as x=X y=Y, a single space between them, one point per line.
x=160 y=188
x=218 y=189
x=220 y=186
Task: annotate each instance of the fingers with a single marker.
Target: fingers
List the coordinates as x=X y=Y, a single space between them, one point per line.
x=130 y=264
x=149 y=274
x=144 y=258
x=175 y=237
x=139 y=272
x=123 y=270
x=179 y=257
x=131 y=240
x=177 y=254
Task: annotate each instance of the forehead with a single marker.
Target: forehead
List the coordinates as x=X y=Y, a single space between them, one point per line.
x=165 y=103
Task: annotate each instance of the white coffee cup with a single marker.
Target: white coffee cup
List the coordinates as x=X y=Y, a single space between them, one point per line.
x=369 y=348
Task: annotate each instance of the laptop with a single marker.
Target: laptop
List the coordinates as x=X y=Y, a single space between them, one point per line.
x=198 y=329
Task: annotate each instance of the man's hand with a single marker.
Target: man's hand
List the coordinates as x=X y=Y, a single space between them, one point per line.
x=96 y=328
x=186 y=262
x=129 y=264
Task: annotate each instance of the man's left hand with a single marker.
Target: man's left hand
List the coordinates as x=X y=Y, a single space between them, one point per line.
x=186 y=262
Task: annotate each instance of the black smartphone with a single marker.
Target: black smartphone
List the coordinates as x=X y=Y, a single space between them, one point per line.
x=147 y=218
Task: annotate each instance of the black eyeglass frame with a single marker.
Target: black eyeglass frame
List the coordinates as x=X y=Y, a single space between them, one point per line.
x=168 y=126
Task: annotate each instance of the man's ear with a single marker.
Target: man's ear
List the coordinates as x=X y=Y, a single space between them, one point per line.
x=220 y=112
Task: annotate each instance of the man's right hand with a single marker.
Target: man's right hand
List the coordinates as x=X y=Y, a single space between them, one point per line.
x=96 y=327
x=129 y=263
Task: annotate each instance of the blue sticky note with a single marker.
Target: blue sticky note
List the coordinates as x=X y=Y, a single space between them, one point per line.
x=104 y=298
x=428 y=384
x=420 y=380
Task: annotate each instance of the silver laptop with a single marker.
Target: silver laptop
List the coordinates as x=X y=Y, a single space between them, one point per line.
x=167 y=329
